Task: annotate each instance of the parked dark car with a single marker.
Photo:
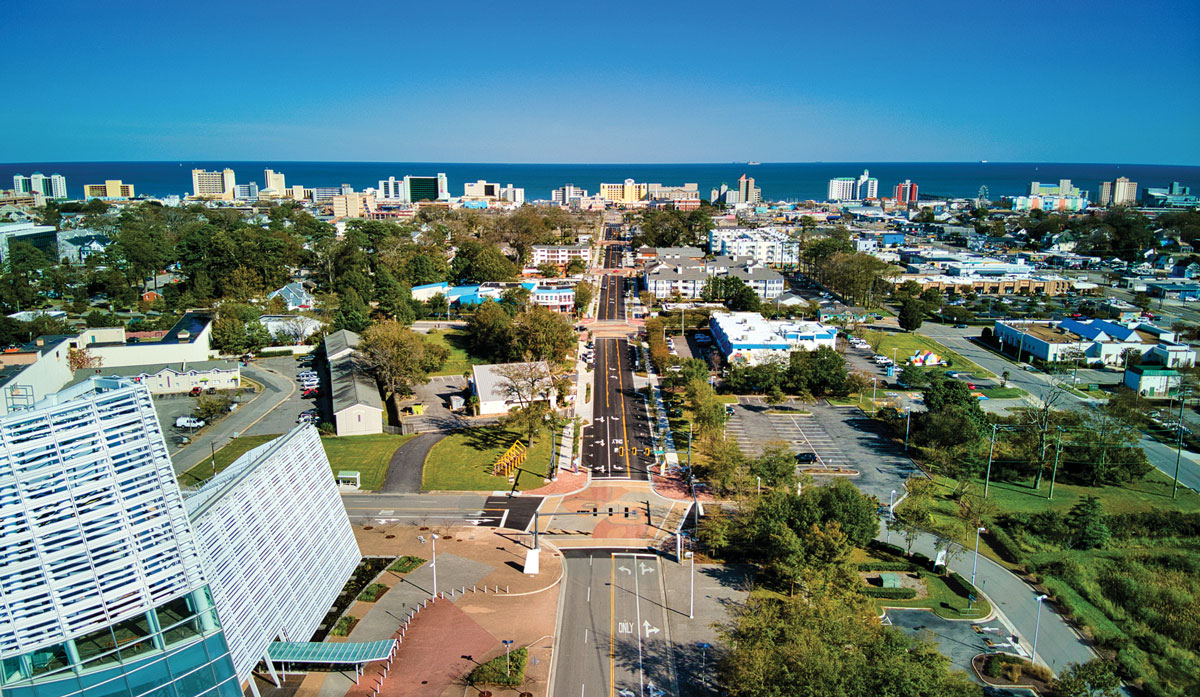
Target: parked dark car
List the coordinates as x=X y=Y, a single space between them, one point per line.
x=806 y=458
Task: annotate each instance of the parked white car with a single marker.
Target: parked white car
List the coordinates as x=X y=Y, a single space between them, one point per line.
x=189 y=422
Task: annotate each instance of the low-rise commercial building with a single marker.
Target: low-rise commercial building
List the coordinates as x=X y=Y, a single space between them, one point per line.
x=686 y=278
x=747 y=338
x=1153 y=381
x=357 y=406
x=1091 y=341
x=174 y=379
x=489 y=384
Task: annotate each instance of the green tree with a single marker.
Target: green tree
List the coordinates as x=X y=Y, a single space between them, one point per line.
x=828 y=643
x=912 y=314
x=776 y=466
x=1096 y=678
x=584 y=292
x=352 y=313
x=1087 y=524
x=491 y=265
x=576 y=267
x=491 y=334
x=543 y=335
x=548 y=270
x=399 y=357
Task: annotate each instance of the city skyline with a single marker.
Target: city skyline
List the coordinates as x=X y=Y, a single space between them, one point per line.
x=471 y=84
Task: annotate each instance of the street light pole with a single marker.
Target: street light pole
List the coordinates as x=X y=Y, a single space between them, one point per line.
x=907 y=424
x=692 y=587
x=874 y=389
x=507 y=663
x=433 y=544
x=1036 y=626
x=975 y=564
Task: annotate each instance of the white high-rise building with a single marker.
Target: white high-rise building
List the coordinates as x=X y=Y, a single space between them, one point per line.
x=52 y=187
x=866 y=187
x=841 y=189
x=1124 y=192
x=564 y=194
x=101 y=582
x=275 y=181
x=213 y=184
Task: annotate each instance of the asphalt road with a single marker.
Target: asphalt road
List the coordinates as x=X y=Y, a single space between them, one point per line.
x=612 y=298
x=614 y=633
x=617 y=444
x=1039 y=385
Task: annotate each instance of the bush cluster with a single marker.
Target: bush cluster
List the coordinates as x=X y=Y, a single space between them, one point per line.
x=890 y=593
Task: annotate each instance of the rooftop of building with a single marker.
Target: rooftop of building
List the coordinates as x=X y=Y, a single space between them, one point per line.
x=135 y=371
x=747 y=328
x=352 y=384
x=488 y=380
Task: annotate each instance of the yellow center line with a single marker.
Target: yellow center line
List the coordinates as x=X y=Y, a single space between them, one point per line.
x=624 y=433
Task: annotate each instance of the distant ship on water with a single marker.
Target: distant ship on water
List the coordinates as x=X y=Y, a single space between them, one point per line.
x=751 y=162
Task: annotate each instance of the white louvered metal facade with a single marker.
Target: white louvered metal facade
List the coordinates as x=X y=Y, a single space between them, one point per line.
x=93 y=525
x=276 y=543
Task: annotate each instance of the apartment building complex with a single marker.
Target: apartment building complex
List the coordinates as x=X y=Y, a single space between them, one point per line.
x=558 y=254
x=1121 y=192
x=626 y=193
x=412 y=189
x=686 y=278
x=768 y=245
x=851 y=189
x=745 y=193
x=906 y=192
x=53 y=187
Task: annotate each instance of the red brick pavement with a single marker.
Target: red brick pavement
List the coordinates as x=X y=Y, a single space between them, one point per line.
x=429 y=661
x=567 y=483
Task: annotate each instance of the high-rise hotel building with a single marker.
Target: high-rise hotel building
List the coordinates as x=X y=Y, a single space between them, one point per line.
x=207 y=184
x=102 y=590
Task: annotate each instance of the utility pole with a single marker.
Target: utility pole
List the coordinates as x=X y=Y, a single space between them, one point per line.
x=1179 y=440
x=1054 y=471
x=991 y=451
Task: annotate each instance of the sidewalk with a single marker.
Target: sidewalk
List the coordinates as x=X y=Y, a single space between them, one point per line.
x=1015 y=601
x=483 y=597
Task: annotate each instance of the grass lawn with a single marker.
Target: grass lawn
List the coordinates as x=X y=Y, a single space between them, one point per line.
x=906 y=343
x=1153 y=492
x=369 y=455
x=941 y=598
x=459 y=361
x=463 y=461
x=225 y=457
x=1003 y=392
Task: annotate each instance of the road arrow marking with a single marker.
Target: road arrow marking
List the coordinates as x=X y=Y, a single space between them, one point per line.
x=650 y=629
x=625 y=569
x=647 y=569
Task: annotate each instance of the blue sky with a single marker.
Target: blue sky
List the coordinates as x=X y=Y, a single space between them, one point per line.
x=585 y=82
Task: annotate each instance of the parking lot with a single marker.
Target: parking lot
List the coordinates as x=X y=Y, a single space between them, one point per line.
x=282 y=418
x=838 y=436
x=754 y=426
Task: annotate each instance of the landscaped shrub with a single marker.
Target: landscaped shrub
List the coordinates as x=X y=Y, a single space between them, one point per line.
x=344 y=626
x=373 y=592
x=890 y=593
x=405 y=564
x=493 y=672
x=886 y=548
x=960 y=585
x=1154 y=524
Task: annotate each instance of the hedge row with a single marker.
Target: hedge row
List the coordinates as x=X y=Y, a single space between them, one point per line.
x=887 y=566
x=890 y=593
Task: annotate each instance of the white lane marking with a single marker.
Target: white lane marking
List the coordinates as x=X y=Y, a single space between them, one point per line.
x=589 y=593
x=585 y=631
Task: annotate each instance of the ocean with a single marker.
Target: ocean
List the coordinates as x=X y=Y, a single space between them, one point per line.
x=780 y=181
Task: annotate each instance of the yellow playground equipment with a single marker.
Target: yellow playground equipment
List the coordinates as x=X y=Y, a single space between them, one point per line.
x=510 y=460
